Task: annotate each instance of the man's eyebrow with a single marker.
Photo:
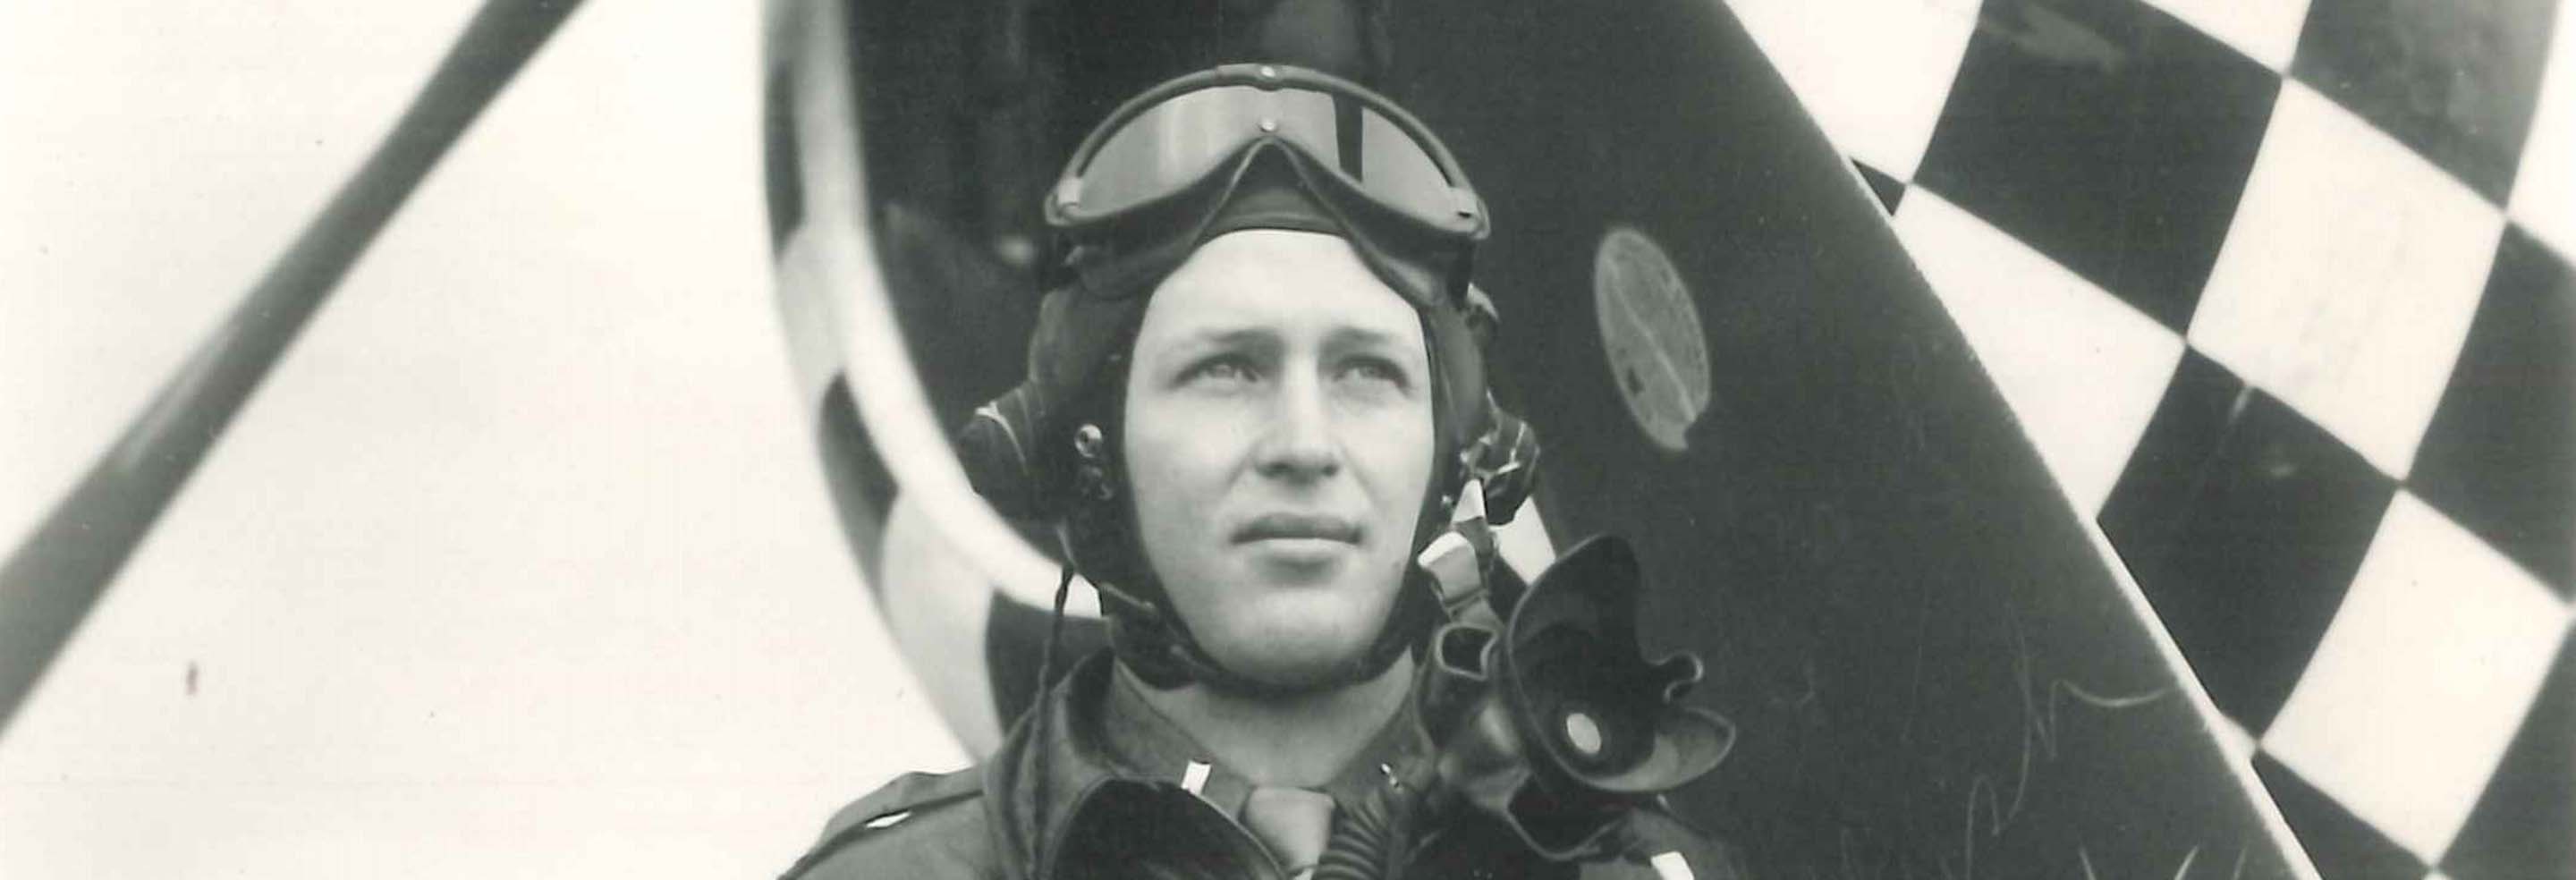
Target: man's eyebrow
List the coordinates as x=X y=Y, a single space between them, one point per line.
x=1356 y=336
x=1224 y=335
x=1228 y=336
x=1193 y=342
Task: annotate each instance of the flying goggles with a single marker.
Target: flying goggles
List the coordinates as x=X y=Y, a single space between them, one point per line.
x=1168 y=157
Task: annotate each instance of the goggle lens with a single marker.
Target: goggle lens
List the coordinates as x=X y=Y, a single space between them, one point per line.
x=1182 y=139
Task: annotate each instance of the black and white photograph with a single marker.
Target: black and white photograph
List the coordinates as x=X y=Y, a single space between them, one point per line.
x=1297 y=439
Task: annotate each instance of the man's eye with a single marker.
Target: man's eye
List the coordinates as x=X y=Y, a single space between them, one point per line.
x=1375 y=372
x=1224 y=371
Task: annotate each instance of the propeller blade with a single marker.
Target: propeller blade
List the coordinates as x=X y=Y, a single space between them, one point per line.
x=56 y=575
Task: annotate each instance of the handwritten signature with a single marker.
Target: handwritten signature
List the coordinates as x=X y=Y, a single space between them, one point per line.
x=2039 y=742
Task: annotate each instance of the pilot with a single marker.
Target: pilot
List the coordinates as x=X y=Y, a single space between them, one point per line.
x=1256 y=396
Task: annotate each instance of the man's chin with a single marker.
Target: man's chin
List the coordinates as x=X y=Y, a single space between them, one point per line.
x=1294 y=635
x=1298 y=664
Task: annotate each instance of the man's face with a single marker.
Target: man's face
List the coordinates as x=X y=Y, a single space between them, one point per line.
x=1278 y=444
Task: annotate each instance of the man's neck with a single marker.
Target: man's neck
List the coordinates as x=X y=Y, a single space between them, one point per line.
x=1302 y=740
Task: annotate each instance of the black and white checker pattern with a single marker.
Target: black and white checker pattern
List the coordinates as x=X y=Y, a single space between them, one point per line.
x=2282 y=291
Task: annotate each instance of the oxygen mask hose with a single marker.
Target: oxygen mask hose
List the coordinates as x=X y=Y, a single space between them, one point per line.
x=1375 y=838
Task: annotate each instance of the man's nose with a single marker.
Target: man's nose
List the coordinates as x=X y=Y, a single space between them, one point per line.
x=1299 y=443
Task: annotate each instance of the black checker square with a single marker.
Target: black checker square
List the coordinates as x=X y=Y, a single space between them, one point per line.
x=2244 y=524
x=2500 y=454
x=2456 y=80
x=2524 y=825
x=2109 y=136
x=1889 y=190
x=2342 y=845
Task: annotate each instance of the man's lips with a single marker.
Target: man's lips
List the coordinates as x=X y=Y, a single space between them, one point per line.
x=1298 y=526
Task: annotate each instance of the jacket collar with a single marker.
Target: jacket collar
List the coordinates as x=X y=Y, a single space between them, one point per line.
x=1096 y=728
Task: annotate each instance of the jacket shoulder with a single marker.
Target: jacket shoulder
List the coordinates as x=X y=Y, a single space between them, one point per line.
x=925 y=824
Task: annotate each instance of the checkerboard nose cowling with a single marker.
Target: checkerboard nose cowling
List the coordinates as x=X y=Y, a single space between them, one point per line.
x=2282 y=294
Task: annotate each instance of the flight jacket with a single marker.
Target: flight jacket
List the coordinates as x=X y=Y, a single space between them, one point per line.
x=1108 y=787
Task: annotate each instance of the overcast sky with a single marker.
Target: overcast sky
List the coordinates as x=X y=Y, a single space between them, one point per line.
x=521 y=563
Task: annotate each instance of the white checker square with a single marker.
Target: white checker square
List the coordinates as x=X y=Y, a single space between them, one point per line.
x=2544 y=191
x=2082 y=369
x=1874 y=73
x=2349 y=278
x=2265 y=30
x=2422 y=680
